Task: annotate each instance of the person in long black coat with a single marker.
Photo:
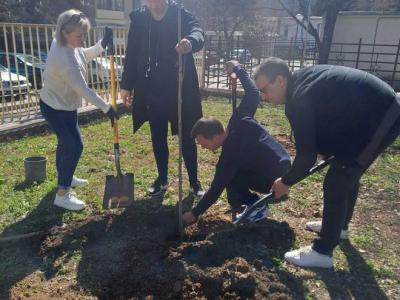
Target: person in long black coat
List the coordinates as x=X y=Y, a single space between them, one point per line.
x=151 y=76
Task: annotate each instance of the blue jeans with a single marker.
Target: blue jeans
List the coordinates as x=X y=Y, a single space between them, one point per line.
x=69 y=148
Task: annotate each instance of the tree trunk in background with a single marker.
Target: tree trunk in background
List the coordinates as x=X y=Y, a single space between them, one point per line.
x=4 y=12
x=330 y=17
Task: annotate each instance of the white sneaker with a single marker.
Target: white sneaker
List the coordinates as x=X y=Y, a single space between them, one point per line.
x=78 y=182
x=69 y=201
x=315 y=226
x=307 y=257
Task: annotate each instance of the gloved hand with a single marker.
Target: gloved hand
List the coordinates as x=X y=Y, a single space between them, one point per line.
x=112 y=114
x=107 y=37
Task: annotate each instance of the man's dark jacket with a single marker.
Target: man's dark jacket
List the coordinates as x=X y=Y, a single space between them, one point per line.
x=165 y=79
x=333 y=110
x=248 y=146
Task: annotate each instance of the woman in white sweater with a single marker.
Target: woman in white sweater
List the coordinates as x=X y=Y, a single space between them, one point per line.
x=61 y=96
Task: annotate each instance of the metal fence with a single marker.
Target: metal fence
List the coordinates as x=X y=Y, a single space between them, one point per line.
x=382 y=60
x=250 y=53
x=24 y=48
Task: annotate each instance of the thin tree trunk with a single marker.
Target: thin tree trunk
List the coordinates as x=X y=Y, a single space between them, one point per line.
x=329 y=28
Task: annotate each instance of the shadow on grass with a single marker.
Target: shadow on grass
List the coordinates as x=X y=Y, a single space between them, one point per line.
x=358 y=283
x=20 y=258
x=25 y=185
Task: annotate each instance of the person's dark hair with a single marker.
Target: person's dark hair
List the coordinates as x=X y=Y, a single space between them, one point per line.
x=271 y=68
x=208 y=127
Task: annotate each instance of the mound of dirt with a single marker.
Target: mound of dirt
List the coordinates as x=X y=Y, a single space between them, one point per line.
x=137 y=254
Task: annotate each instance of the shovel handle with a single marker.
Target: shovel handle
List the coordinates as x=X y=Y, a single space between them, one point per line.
x=269 y=197
x=114 y=123
x=233 y=84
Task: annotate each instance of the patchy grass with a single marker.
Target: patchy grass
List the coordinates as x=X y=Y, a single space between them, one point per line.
x=365 y=268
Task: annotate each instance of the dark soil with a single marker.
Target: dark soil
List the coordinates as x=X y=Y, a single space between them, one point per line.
x=139 y=254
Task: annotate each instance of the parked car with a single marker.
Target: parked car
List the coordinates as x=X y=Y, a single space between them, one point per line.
x=12 y=85
x=241 y=54
x=100 y=70
x=33 y=66
x=43 y=55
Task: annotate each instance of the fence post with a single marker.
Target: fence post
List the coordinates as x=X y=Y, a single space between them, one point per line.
x=209 y=46
x=395 y=64
x=203 y=68
x=358 y=52
x=290 y=54
x=219 y=63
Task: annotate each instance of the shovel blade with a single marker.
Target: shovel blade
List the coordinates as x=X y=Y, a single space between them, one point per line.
x=118 y=192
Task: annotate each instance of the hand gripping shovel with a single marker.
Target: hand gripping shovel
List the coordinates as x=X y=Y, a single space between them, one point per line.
x=244 y=217
x=118 y=191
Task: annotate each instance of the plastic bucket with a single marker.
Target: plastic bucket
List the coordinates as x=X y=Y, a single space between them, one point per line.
x=35 y=168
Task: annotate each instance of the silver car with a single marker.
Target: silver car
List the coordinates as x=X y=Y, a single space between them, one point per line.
x=12 y=85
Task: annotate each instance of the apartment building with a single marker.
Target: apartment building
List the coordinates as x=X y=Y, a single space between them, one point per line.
x=115 y=12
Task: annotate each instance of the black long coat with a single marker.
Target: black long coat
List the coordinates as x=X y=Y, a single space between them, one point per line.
x=166 y=76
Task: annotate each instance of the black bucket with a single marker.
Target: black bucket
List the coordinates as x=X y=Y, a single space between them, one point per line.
x=35 y=168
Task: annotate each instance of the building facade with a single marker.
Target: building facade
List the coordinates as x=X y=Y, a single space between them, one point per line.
x=115 y=12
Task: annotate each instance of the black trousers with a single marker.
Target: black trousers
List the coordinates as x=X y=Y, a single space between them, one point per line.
x=240 y=187
x=157 y=112
x=341 y=185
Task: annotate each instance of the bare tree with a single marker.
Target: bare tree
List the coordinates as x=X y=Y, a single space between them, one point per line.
x=225 y=16
x=5 y=15
x=47 y=11
x=329 y=9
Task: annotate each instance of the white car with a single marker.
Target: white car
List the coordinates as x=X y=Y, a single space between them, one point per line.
x=100 y=70
x=12 y=85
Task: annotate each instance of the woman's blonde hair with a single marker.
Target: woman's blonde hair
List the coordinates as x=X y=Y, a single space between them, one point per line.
x=68 y=21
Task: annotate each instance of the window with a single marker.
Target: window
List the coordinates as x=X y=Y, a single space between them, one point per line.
x=117 y=5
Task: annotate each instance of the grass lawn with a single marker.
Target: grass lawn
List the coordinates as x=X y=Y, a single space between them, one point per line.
x=365 y=268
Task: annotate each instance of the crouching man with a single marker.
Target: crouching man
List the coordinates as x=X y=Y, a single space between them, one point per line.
x=251 y=159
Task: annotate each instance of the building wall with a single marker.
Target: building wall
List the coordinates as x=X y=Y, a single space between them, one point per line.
x=380 y=34
x=382 y=29
x=115 y=12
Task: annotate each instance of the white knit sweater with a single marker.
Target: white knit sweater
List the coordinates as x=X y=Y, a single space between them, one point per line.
x=64 y=83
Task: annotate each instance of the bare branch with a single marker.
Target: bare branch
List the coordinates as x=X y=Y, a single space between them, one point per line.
x=311 y=29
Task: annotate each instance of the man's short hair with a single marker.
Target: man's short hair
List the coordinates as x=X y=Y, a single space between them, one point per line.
x=207 y=127
x=271 y=68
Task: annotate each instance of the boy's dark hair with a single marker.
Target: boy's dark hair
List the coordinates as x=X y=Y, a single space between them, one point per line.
x=271 y=68
x=207 y=127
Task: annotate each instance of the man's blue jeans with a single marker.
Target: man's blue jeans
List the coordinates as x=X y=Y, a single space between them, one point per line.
x=69 y=148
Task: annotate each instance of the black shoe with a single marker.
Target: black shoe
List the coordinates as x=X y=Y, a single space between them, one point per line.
x=196 y=189
x=157 y=187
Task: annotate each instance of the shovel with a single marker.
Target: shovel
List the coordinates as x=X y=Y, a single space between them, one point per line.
x=233 y=79
x=118 y=192
x=243 y=218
